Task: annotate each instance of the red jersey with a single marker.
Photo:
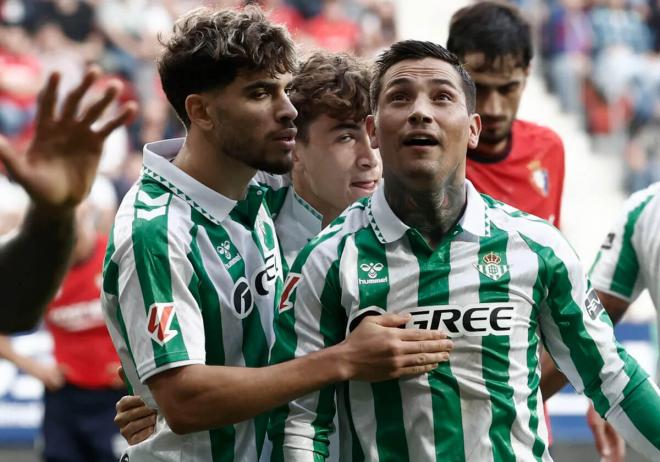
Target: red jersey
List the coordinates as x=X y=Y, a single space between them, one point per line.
x=530 y=176
x=82 y=344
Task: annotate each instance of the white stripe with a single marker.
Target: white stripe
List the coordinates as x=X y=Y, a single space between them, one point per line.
x=415 y=392
x=232 y=330
x=299 y=431
x=131 y=301
x=364 y=418
x=476 y=407
x=523 y=271
x=191 y=323
x=348 y=277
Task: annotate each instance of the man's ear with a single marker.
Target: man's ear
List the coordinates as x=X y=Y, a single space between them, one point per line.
x=475 y=130
x=370 y=124
x=198 y=113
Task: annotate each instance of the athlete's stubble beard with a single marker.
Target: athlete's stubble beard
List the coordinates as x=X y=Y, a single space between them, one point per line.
x=255 y=155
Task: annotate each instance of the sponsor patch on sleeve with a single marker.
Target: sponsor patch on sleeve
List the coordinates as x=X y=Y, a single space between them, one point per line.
x=160 y=317
x=593 y=305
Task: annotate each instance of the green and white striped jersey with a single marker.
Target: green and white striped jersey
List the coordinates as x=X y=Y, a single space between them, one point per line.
x=499 y=283
x=629 y=259
x=191 y=277
x=296 y=222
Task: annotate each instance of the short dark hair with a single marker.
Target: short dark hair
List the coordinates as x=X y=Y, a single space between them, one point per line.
x=208 y=48
x=495 y=29
x=334 y=84
x=415 y=49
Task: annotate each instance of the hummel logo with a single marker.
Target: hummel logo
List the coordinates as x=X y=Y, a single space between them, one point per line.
x=224 y=249
x=372 y=269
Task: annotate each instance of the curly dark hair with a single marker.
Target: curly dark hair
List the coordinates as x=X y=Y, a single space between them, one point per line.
x=208 y=48
x=333 y=84
x=493 y=28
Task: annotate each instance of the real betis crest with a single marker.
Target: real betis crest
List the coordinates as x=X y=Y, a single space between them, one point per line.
x=491 y=267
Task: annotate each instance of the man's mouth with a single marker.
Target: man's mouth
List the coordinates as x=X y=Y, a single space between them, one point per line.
x=420 y=139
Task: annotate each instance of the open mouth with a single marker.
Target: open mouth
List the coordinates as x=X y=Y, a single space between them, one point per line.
x=420 y=140
x=366 y=185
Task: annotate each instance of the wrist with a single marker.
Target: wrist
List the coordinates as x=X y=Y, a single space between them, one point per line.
x=338 y=358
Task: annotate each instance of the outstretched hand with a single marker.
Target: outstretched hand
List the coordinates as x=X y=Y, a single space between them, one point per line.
x=60 y=164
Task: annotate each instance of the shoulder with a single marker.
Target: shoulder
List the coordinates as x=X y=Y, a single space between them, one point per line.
x=539 y=135
x=150 y=218
x=539 y=235
x=326 y=247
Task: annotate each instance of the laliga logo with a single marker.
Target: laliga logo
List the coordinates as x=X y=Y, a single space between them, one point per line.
x=371 y=269
x=161 y=316
x=224 y=249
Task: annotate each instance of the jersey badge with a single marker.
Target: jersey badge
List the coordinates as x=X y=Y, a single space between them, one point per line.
x=539 y=177
x=161 y=316
x=593 y=305
x=491 y=267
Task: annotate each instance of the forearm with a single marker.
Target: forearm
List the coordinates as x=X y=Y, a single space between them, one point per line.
x=8 y=352
x=32 y=265
x=552 y=380
x=204 y=397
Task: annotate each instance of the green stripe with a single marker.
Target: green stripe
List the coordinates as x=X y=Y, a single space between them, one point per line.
x=388 y=406
x=286 y=343
x=643 y=406
x=357 y=454
x=275 y=198
x=534 y=379
x=567 y=316
x=150 y=248
x=495 y=350
x=222 y=439
x=332 y=325
x=434 y=269
x=627 y=265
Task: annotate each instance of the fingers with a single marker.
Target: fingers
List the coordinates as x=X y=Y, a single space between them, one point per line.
x=415 y=335
x=126 y=114
x=95 y=110
x=72 y=100
x=600 y=439
x=427 y=346
x=140 y=435
x=389 y=320
x=129 y=402
x=8 y=156
x=47 y=99
x=411 y=371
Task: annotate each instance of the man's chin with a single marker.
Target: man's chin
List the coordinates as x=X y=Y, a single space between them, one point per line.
x=276 y=168
x=493 y=138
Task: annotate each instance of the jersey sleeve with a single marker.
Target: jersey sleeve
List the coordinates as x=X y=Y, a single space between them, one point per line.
x=154 y=309
x=578 y=335
x=309 y=319
x=616 y=270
